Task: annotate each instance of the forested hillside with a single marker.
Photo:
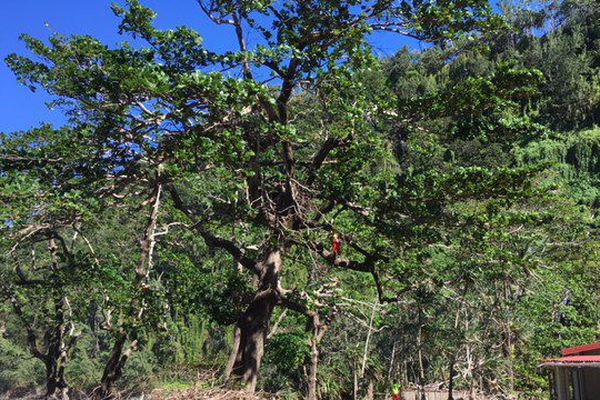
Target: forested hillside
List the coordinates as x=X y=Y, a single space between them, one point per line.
x=299 y=216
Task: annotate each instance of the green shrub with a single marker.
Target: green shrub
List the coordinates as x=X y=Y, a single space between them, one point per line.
x=18 y=369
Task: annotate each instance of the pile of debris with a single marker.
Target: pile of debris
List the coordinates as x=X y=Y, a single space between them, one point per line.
x=205 y=394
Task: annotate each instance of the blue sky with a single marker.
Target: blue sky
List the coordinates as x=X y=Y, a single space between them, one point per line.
x=20 y=109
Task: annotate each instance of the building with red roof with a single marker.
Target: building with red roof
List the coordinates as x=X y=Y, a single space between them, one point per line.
x=576 y=375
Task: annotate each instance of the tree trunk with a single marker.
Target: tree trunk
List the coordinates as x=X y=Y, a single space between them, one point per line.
x=370 y=389
x=392 y=359
x=254 y=322
x=254 y=327
x=56 y=385
x=58 y=350
x=93 y=324
x=367 y=341
x=451 y=378
x=56 y=360
x=56 y=356
x=113 y=370
x=421 y=365
x=355 y=384
x=311 y=392
x=509 y=350
x=319 y=330
x=233 y=357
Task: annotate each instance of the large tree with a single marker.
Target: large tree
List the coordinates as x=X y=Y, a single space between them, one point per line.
x=263 y=151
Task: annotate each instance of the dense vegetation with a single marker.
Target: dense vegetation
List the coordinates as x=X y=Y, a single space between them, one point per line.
x=179 y=227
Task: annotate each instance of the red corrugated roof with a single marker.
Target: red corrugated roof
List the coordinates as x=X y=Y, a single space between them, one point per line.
x=574 y=359
x=581 y=349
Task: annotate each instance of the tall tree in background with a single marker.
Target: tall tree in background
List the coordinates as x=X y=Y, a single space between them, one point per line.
x=49 y=273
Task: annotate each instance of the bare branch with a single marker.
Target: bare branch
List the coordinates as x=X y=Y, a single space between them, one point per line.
x=26 y=233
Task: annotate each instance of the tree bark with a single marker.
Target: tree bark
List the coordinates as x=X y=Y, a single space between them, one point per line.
x=55 y=362
x=56 y=384
x=319 y=330
x=420 y=357
x=113 y=370
x=311 y=393
x=451 y=378
x=370 y=389
x=355 y=383
x=234 y=353
x=254 y=322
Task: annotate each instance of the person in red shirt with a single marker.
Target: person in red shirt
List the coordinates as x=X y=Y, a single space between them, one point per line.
x=337 y=244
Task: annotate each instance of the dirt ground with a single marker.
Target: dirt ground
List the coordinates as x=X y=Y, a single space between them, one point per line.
x=443 y=395
x=204 y=394
x=224 y=394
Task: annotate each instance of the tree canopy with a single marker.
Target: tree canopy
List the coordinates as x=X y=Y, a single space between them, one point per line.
x=183 y=218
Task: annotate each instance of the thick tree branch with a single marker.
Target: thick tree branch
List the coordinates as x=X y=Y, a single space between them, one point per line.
x=319 y=158
x=368 y=265
x=291 y=304
x=31 y=336
x=362 y=266
x=15 y=159
x=237 y=23
x=210 y=239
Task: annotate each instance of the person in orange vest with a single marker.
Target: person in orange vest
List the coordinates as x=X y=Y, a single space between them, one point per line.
x=397 y=392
